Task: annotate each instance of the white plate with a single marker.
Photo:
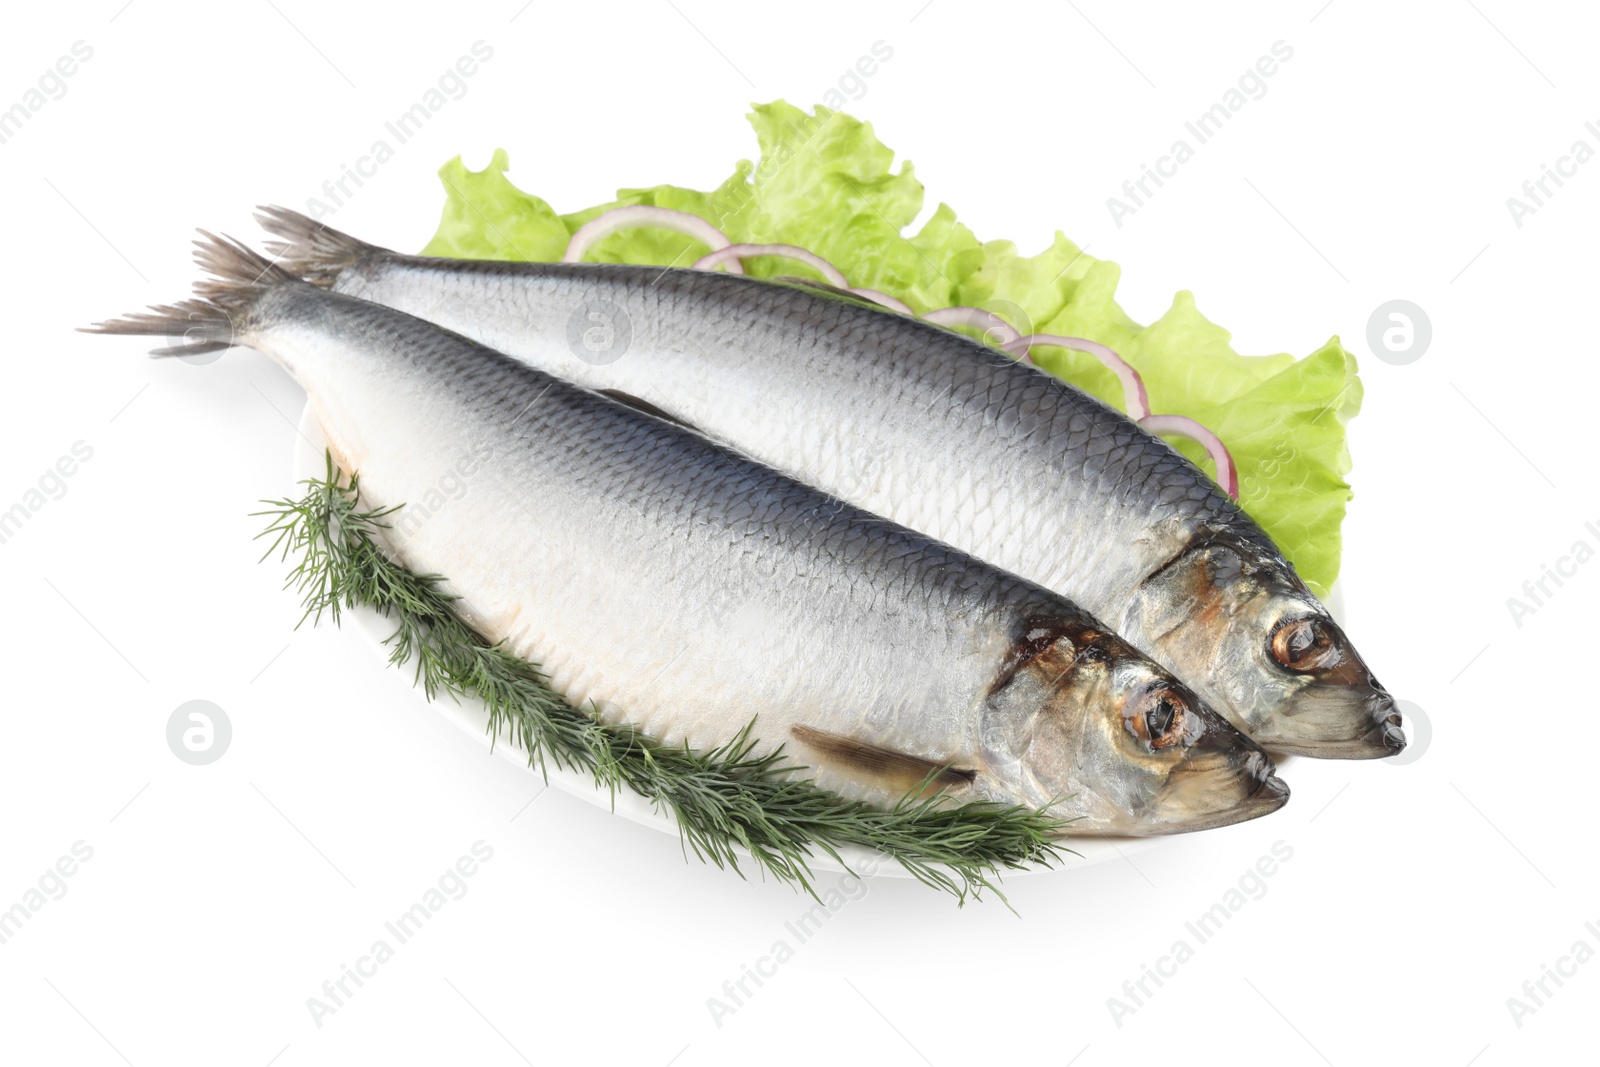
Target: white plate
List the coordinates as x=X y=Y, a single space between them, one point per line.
x=473 y=717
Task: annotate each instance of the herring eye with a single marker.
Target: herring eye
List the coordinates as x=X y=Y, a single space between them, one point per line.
x=1302 y=644
x=1159 y=718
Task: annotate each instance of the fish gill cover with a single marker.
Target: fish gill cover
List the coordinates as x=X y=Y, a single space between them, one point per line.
x=825 y=183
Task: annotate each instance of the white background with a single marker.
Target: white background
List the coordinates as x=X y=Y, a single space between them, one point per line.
x=219 y=898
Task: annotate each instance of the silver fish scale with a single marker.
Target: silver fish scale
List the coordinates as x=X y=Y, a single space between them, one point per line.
x=1016 y=467
x=616 y=549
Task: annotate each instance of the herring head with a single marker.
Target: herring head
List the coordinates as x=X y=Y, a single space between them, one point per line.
x=1239 y=624
x=1121 y=747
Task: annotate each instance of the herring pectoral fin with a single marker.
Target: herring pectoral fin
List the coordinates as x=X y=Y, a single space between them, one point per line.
x=640 y=404
x=898 y=772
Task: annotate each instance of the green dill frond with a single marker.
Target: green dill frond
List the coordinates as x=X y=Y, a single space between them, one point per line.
x=723 y=801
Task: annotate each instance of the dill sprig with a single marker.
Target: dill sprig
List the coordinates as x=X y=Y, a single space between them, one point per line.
x=723 y=801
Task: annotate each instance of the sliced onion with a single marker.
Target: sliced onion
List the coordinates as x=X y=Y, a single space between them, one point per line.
x=643 y=215
x=732 y=254
x=1135 y=399
x=992 y=325
x=1183 y=426
x=885 y=299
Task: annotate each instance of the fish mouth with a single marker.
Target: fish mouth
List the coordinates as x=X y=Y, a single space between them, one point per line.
x=1225 y=779
x=1269 y=794
x=1381 y=737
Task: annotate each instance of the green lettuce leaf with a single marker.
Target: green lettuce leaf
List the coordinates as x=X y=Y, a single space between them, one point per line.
x=825 y=182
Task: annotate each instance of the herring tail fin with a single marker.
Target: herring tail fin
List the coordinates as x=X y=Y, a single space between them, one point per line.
x=309 y=249
x=213 y=319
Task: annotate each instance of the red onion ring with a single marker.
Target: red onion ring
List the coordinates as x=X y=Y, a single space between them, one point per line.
x=1183 y=426
x=885 y=299
x=1135 y=399
x=732 y=254
x=976 y=319
x=640 y=215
